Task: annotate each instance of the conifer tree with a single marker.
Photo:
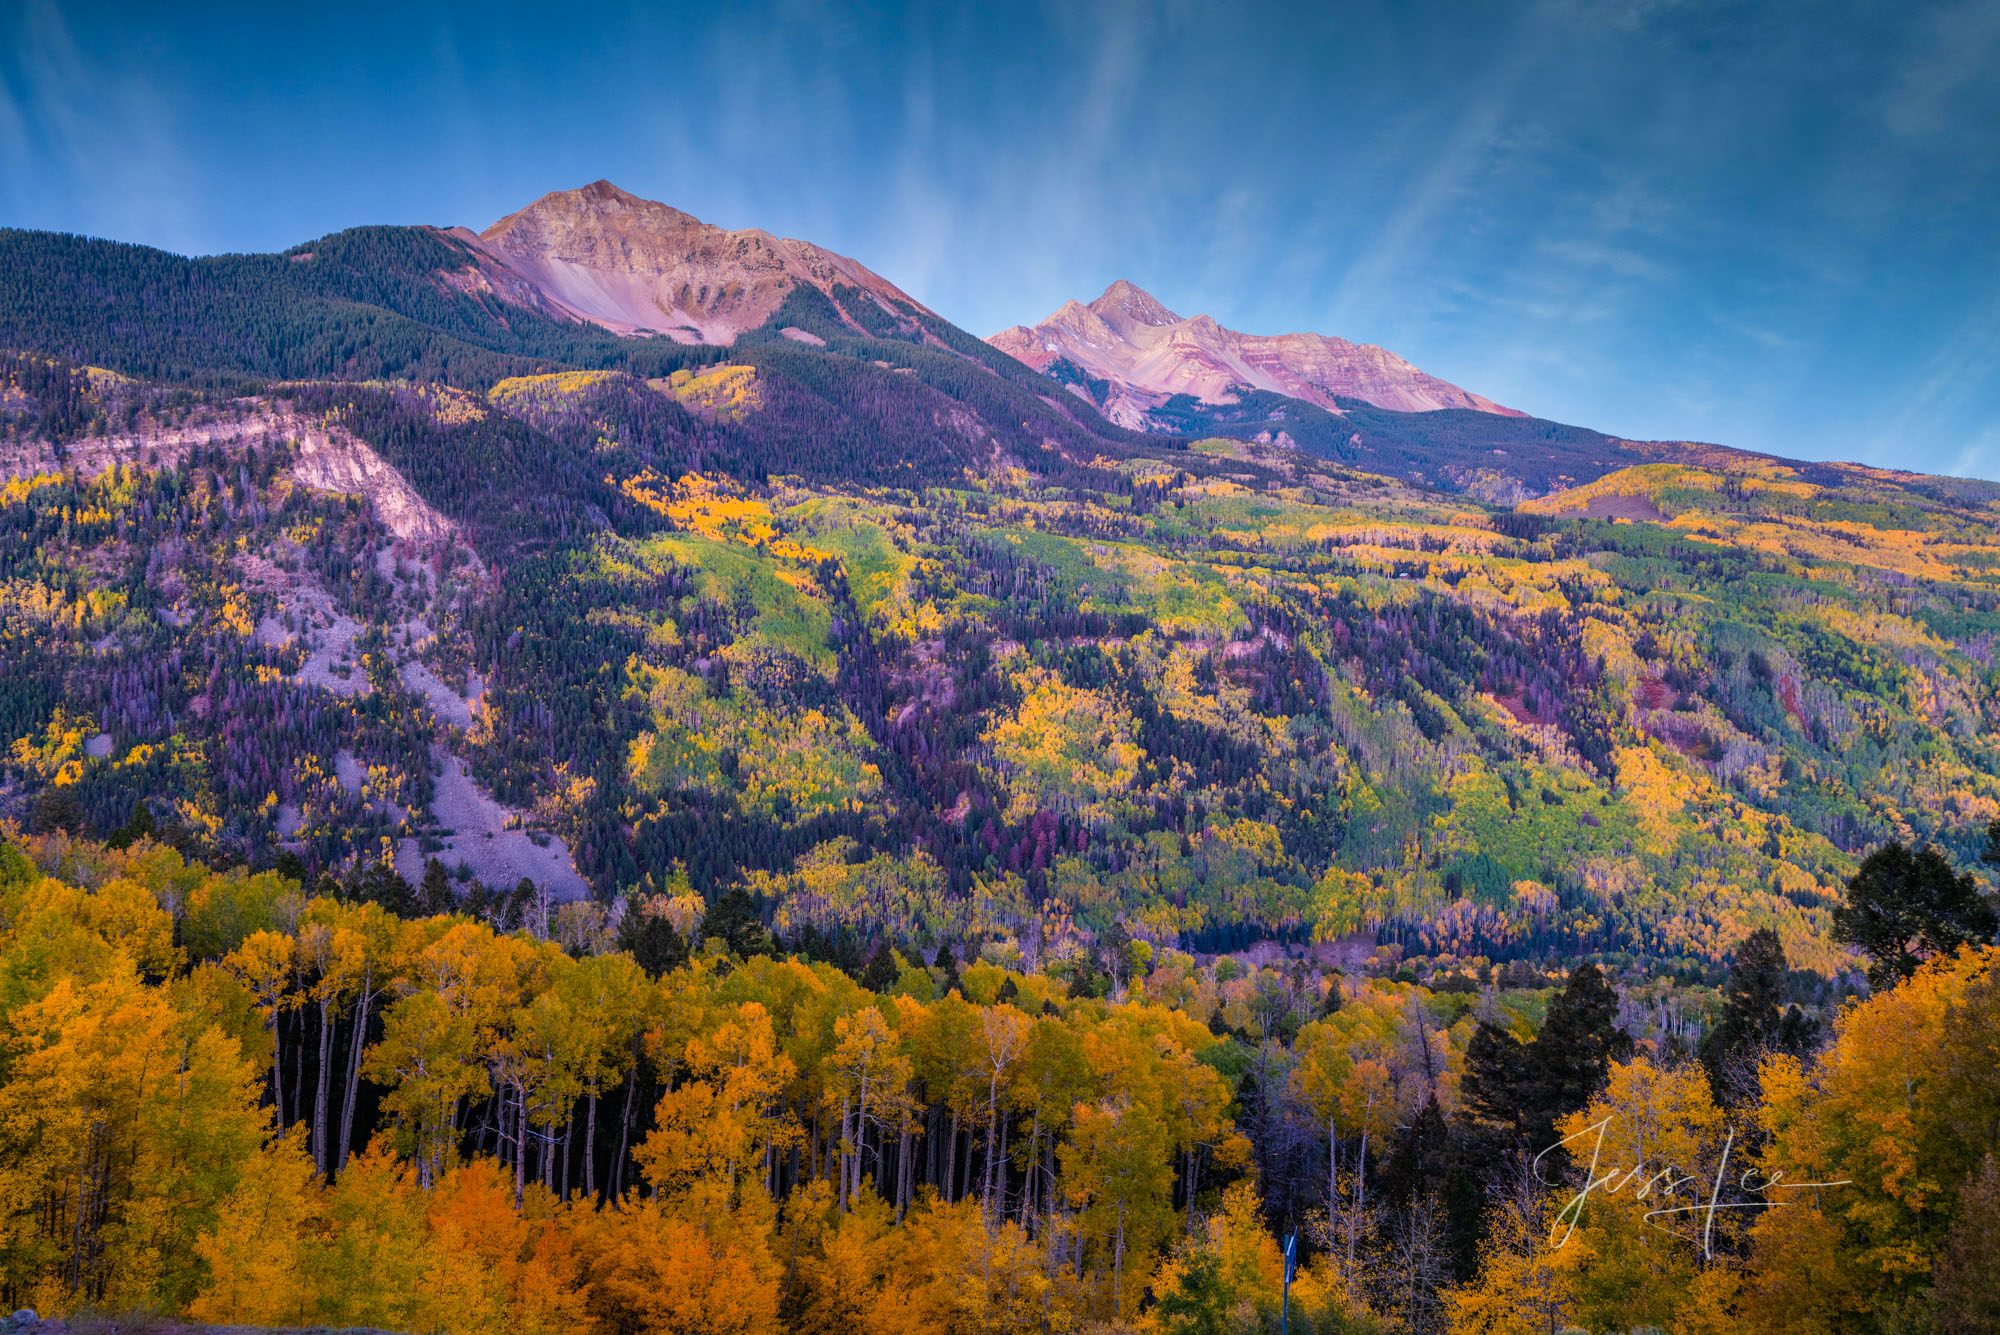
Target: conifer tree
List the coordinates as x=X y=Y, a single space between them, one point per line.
x=949 y=964
x=651 y=940
x=732 y=919
x=880 y=975
x=1416 y=1165
x=1573 y=1052
x=1494 y=1100
x=434 y=895
x=379 y=884
x=1494 y=1086
x=141 y=826
x=1753 y=1018
x=1906 y=906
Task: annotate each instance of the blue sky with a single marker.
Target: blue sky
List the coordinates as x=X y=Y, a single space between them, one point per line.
x=1770 y=225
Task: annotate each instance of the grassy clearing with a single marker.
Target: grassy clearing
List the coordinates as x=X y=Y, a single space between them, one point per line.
x=785 y=615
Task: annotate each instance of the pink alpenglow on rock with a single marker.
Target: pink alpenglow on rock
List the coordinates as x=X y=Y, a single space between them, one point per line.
x=1149 y=354
x=632 y=265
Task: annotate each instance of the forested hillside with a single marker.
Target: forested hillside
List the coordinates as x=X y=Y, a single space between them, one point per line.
x=1207 y=695
x=419 y=304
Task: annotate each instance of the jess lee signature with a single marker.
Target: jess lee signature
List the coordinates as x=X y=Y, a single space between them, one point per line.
x=1667 y=1184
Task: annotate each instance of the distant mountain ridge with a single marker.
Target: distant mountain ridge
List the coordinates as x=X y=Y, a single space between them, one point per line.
x=1147 y=355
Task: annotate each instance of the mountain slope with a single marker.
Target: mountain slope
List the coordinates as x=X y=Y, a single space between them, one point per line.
x=368 y=303
x=870 y=619
x=1148 y=355
x=1218 y=692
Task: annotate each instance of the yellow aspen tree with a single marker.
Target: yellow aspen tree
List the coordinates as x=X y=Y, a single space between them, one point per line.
x=123 y=1125
x=255 y=1252
x=1003 y=1041
x=1055 y=1075
x=653 y=1272
x=265 y=964
x=1884 y=1111
x=1524 y=1284
x=1653 y=1149
x=710 y=1126
x=430 y=1059
x=1197 y=1106
x=334 y=959
x=130 y=920
x=871 y=1072
x=946 y=1269
x=458 y=1293
x=1231 y=1267
x=369 y=1264
x=1117 y=1171
x=384 y=943
x=946 y=1053
x=1343 y=1074
x=540 y=1060
x=523 y=1266
x=608 y=995
x=843 y=1268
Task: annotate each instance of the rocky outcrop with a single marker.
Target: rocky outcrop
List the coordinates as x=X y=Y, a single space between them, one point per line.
x=1148 y=354
x=332 y=460
x=328 y=459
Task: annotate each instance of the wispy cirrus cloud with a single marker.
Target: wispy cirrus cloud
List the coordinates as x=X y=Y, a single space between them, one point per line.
x=115 y=140
x=1954 y=58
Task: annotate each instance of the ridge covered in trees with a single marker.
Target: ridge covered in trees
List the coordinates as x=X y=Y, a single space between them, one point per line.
x=1206 y=696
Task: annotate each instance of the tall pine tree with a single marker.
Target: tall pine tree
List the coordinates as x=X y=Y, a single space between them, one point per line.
x=1754 y=1019
x=1573 y=1052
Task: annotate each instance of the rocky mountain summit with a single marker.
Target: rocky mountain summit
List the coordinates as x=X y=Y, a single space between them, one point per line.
x=1146 y=355
x=633 y=265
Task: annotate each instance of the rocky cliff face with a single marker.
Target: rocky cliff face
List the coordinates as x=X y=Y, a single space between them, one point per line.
x=636 y=266
x=1148 y=354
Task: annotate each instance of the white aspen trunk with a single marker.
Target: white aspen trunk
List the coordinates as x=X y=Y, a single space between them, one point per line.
x=951 y=1157
x=1360 y=1189
x=354 y=1070
x=1118 y=1271
x=903 y=1156
x=320 y=1155
x=846 y=1152
x=278 y=1069
x=1332 y=1166
x=520 y=1146
x=992 y=1132
x=625 y=1130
